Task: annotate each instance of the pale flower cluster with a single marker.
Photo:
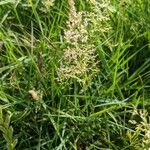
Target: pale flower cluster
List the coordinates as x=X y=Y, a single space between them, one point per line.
x=79 y=64
x=77 y=31
x=142 y=127
x=145 y=128
x=79 y=59
x=99 y=17
x=48 y=3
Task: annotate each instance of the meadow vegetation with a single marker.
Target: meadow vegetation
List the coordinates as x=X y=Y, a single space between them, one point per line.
x=74 y=74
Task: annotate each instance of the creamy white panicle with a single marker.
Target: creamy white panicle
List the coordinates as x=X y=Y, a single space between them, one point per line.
x=79 y=61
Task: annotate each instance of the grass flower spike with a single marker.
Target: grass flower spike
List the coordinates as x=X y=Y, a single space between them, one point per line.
x=79 y=59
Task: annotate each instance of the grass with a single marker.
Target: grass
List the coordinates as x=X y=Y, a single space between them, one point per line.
x=102 y=104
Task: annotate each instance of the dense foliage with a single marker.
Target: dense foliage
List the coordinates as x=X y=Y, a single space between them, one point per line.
x=74 y=74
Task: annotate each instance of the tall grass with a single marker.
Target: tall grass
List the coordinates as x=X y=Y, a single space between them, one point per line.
x=74 y=74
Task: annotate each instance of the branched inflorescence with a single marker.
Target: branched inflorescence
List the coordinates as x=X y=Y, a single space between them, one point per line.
x=79 y=61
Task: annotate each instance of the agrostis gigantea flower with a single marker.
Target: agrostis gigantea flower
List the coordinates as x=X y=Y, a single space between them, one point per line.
x=79 y=60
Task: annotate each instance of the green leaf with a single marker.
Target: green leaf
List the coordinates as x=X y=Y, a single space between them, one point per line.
x=14 y=143
x=7 y=121
x=1 y=115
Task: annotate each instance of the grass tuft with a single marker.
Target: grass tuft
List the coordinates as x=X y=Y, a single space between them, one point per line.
x=74 y=75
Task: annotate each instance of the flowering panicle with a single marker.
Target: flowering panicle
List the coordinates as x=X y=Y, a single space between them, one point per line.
x=77 y=31
x=79 y=61
x=48 y=3
x=142 y=127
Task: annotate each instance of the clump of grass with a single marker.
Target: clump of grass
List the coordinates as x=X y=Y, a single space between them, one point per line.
x=101 y=75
